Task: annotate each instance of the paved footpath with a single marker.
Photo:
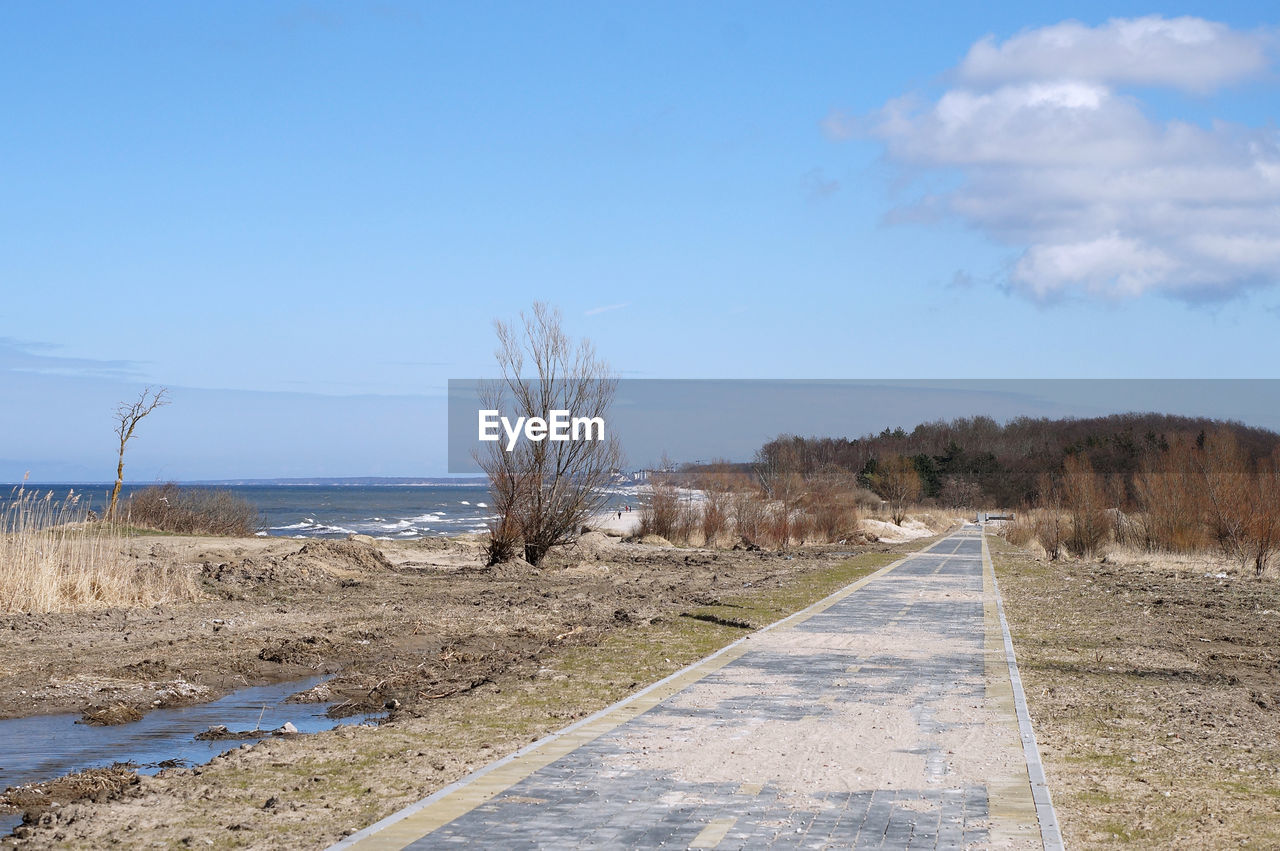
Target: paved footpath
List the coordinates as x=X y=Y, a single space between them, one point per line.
x=889 y=715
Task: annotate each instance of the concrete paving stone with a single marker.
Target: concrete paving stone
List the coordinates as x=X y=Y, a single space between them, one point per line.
x=597 y=797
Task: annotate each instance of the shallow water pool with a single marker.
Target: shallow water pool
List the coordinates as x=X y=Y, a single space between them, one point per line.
x=47 y=746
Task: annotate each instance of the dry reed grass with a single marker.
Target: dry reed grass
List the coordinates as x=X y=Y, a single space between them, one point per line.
x=55 y=557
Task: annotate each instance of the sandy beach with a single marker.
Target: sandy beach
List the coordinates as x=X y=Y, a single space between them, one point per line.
x=616 y=523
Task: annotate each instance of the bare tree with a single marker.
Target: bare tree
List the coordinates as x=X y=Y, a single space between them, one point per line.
x=897 y=481
x=128 y=415
x=778 y=466
x=960 y=492
x=545 y=489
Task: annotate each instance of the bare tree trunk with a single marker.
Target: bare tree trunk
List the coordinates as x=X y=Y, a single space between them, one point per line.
x=127 y=418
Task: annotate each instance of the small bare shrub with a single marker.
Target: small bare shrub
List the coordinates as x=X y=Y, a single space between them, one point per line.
x=1051 y=531
x=660 y=513
x=776 y=529
x=1128 y=530
x=801 y=527
x=715 y=516
x=749 y=515
x=1050 y=527
x=688 y=521
x=507 y=490
x=671 y=513
x=1262 y=528
x=1228 y=487
x=1084 y=496
x=898 y=482
x=1021 y=531
x=831 y=506
x=866 y=499
x=1172 y=501
x=779 y=471
x=719 y=482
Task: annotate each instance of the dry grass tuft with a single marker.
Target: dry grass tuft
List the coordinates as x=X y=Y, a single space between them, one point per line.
x=55 y=557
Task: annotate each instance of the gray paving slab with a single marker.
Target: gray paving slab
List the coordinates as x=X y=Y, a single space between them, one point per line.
x=871 y=724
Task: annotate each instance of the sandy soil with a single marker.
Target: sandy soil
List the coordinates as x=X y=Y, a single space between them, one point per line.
x=910 y=530
x=622 y=524
x=419 y=627
x=393 y=621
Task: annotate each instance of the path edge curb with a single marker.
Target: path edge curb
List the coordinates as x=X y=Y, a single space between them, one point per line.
x=1050 y=832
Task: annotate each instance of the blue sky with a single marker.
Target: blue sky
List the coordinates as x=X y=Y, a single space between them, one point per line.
x=303 y=217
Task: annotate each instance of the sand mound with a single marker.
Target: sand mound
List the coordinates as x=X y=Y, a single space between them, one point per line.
x=515 y=568
x=593 y=544
x=262 y=571
x=319 y=563
x=342 y=555
x=889 y=533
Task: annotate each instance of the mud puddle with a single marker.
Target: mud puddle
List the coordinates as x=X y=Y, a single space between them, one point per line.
x=43 y=747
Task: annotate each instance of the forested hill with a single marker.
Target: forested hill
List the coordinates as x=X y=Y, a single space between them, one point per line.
x=977 y=457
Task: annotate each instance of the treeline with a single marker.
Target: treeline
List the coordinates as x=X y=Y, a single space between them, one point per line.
x=975 y=461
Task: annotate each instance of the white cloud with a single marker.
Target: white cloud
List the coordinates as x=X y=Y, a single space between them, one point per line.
x=1100 y=198
x=1186 y=53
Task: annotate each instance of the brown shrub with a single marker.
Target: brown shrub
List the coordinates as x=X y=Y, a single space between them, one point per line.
x=1020 y=531
x=1051 y=531
x=1085 y=498
x=749 y=515
x=831 y=506
x=1262 y=530
x=776 y=530
x=193 y=511
x=714 y=520
x=670 y=514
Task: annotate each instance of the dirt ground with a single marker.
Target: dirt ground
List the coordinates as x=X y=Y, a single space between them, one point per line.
x=1154 y=687
x=408 y=622
x=468 y=662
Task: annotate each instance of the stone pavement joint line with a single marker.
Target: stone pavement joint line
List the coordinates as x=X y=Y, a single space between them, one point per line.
x=888 y=715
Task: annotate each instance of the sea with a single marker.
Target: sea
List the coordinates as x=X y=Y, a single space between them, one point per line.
x=390 y=511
